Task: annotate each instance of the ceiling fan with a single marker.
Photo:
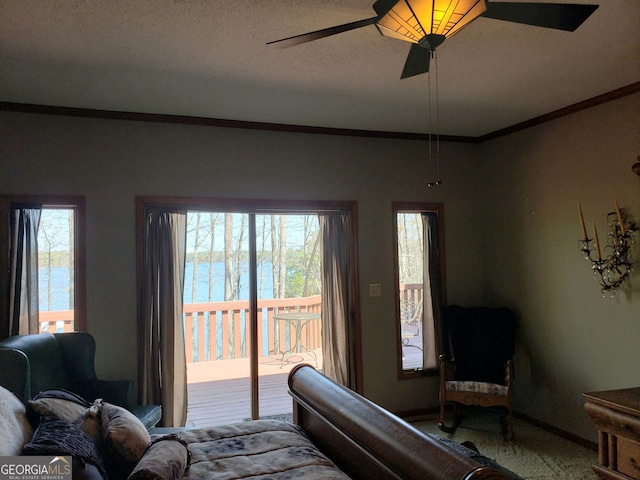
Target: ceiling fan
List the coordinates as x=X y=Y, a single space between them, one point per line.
x=427 y=23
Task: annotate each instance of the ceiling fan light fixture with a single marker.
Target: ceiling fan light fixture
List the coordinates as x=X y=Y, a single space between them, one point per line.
x=413 y=20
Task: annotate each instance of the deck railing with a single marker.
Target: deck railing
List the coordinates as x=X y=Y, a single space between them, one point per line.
x=56 y=321
x=411 y=303
x=220 y=331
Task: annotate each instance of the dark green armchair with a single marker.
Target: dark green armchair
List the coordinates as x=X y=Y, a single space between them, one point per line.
x=30 y=364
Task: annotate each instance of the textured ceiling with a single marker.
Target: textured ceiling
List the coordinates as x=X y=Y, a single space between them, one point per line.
x=209 y=58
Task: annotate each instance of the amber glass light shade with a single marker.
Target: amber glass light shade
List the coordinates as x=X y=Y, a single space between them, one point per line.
x=412 y=20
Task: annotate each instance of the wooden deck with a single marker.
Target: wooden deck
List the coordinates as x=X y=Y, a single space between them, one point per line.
x=219 y=391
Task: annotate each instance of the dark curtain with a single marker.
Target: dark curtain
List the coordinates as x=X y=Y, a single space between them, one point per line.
x=162 y=363
x=338 y=283
x=23 y=270
x=432 y=311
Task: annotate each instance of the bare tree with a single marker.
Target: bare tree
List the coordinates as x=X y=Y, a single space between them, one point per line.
x=278 y=254
x=196 y=260
x=275 y=265
x=282 y=256
x=310 y=228
x=260 y=254
x=54 y=250
x=228 y=257
x=234 y=255
x=410 y=262
x=213 y=220
x=238 y=255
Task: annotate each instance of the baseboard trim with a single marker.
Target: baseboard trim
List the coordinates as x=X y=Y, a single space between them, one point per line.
x=423 y=413
x=558 y=431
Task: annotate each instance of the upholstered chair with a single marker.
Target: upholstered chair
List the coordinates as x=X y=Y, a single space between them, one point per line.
x=477 y=368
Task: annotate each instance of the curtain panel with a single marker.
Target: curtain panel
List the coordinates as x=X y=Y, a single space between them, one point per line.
x=23 y=270
x=432 y=299
x=162 y=363
x=338 y=294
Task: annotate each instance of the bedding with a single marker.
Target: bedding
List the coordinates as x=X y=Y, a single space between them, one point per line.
x=262 y=449
x=338 y=434
x=15 y=429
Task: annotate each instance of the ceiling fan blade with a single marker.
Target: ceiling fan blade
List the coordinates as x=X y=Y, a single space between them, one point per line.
x=325 y=32
x=417 y=61
x=561 y=16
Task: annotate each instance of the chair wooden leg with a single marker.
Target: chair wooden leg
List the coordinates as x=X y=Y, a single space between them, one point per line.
x=457 y=419
x=506 y=422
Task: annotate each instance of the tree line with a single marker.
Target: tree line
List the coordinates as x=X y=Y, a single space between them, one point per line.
x=290 y=244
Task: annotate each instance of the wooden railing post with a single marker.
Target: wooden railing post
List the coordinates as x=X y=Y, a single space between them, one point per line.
x=188 y=337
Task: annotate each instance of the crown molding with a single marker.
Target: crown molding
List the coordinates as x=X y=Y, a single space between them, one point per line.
x=281 y=127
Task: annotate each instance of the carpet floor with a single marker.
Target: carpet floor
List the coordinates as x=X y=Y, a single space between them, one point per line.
x=533 y=453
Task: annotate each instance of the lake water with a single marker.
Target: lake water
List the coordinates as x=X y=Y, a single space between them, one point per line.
x=58 y=298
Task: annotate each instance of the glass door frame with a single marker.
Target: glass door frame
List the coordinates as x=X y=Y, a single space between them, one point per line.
x=253 y=207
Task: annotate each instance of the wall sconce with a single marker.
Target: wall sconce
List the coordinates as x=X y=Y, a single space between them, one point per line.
x=611 y=270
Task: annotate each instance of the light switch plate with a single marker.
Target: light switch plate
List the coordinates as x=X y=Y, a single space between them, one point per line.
x=375 y=290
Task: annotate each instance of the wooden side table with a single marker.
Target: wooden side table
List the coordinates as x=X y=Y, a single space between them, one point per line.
x=616 y=415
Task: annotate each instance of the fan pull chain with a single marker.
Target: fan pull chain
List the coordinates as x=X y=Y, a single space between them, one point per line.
x=439 y=179
x=430 y=183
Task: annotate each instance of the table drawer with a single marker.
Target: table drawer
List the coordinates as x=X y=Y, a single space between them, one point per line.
x=629 y=457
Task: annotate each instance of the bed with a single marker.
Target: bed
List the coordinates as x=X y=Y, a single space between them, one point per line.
x=334 y=428
x=336 y=434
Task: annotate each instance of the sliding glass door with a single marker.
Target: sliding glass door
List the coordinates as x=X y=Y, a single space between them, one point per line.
x=252 y=303
x=269 y=284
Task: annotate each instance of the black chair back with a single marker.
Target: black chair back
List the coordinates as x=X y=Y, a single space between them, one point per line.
x=480 y=340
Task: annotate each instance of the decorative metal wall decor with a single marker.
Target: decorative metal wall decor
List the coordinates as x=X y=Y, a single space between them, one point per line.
x=611 y=264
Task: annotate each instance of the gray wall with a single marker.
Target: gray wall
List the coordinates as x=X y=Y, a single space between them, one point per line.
x=113 y=161
x=498 y=251
x=571 y=340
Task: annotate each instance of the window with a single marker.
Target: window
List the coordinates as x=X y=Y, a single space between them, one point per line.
x=56 y=267
x=47 y=280
x=420 y=285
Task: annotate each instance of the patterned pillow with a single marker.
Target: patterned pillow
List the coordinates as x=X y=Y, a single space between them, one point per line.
x=55 y=436
x=15 y=429
x=59 y=403
x=166 y=458
x=125 y=437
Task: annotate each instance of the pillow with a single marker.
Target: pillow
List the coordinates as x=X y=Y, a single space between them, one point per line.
x=125 y=437
x=55 y=436
x=15 y=429
x=59 y=403
x=91 y=423
x=166 y=458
